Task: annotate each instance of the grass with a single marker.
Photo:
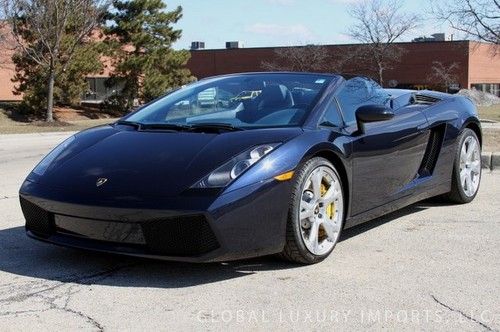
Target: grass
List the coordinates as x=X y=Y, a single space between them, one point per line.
x=491 y=140
x=490 y=113
x=13 y=121
x=24 y=128
x=491 y=137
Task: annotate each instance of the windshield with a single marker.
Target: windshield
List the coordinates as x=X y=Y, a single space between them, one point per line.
x=240 y=101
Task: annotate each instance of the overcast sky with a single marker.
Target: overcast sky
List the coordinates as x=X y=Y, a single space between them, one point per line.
x=273 y=22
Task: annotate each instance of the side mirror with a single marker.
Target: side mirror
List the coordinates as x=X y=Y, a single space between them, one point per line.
x=372 y=113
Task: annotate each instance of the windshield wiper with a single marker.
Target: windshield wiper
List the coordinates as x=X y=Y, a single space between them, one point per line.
x=214 y=126
x=181 y=127
x=137 y=125
x=164 y=126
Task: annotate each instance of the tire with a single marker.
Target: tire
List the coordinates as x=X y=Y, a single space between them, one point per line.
x=460 y=191
x=321 y=210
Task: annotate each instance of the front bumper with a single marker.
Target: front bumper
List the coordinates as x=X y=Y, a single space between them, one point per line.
x=197 y=227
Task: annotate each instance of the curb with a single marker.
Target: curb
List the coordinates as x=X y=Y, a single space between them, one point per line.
x=495 y=160
x=490 y=160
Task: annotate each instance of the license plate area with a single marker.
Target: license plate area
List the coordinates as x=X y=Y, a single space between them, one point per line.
x=101 y=230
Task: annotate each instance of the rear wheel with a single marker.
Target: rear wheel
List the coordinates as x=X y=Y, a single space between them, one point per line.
x=466 y=169
x=316 y=213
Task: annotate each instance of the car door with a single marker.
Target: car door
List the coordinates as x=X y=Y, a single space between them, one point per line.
x=386 y=154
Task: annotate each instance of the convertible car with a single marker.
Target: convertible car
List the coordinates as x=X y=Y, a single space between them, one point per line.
x=203 y=175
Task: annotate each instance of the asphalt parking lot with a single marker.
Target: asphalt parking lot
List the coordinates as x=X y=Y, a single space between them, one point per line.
x=429 y=266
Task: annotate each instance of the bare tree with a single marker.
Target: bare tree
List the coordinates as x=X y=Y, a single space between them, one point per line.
x=3 y=30
x=49 y=32
x=444 y=74
x=479 y=19
x=8 y=45
x=379 y=24
x=4 y=44
x=309 y=58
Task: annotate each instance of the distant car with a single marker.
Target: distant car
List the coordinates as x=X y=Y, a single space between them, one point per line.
x=207 y=98
x=245 y=95
x=284 y=172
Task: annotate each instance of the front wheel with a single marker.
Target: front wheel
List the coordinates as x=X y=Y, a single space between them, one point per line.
x=466 y=169
x=316 y=213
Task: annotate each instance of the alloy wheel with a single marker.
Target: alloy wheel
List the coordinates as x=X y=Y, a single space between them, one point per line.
x=470 y=166
x=321 y=210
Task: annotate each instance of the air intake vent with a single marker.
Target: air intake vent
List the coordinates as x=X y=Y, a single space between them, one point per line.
x=432 y=151
x=234 y=44
x=427 y=100
x=180 y=236
x=38 y=220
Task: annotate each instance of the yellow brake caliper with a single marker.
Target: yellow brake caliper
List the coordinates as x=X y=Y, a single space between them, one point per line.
x=330 y=209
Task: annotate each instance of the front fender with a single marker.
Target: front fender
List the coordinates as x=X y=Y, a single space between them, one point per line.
x=292 y=153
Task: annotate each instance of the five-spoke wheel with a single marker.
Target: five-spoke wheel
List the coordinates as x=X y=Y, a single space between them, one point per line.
x=316 y=213
x=466 y=169
x=470 y=165
x=321 y=209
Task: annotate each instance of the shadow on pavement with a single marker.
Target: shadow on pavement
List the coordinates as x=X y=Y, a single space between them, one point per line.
x=364 y=227
x=23 y=256
x=20 y=255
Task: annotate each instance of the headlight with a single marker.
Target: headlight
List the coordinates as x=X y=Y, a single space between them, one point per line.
x=45 y=163
x=223 y=175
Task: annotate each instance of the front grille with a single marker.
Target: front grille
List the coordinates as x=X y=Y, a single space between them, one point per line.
x=38 y=220
x=174 y=236
x=180 y=236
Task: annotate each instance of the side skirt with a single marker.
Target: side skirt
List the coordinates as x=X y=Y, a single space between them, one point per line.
x=397 y=204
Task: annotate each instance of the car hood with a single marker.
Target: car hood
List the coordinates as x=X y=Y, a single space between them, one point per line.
x=149 y=163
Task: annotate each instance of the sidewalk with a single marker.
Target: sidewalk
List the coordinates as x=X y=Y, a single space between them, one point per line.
x=491 y=125
x=490 y=160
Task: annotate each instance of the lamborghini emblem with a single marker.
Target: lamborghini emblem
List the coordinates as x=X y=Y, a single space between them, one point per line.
x=101 y=181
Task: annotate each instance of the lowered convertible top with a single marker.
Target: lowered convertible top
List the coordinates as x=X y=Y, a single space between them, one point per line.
x=404 y=97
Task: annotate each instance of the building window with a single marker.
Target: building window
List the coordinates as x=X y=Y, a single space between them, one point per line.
x=97 y=90
x=493 y=88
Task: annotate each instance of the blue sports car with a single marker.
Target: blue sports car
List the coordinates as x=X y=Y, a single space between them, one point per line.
x=253 y=164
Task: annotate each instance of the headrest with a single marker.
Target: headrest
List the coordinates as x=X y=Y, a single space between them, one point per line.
x=275 y=96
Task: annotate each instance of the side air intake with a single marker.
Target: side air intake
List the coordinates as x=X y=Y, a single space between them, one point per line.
x=425 y=99
x=432 y=151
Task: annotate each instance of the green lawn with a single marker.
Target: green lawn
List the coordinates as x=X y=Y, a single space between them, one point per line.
x=10 y=126
x=490 y=112
x=30 y=128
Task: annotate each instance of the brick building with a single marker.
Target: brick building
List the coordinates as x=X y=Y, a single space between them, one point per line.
x=478 y=68
x=97 y=90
